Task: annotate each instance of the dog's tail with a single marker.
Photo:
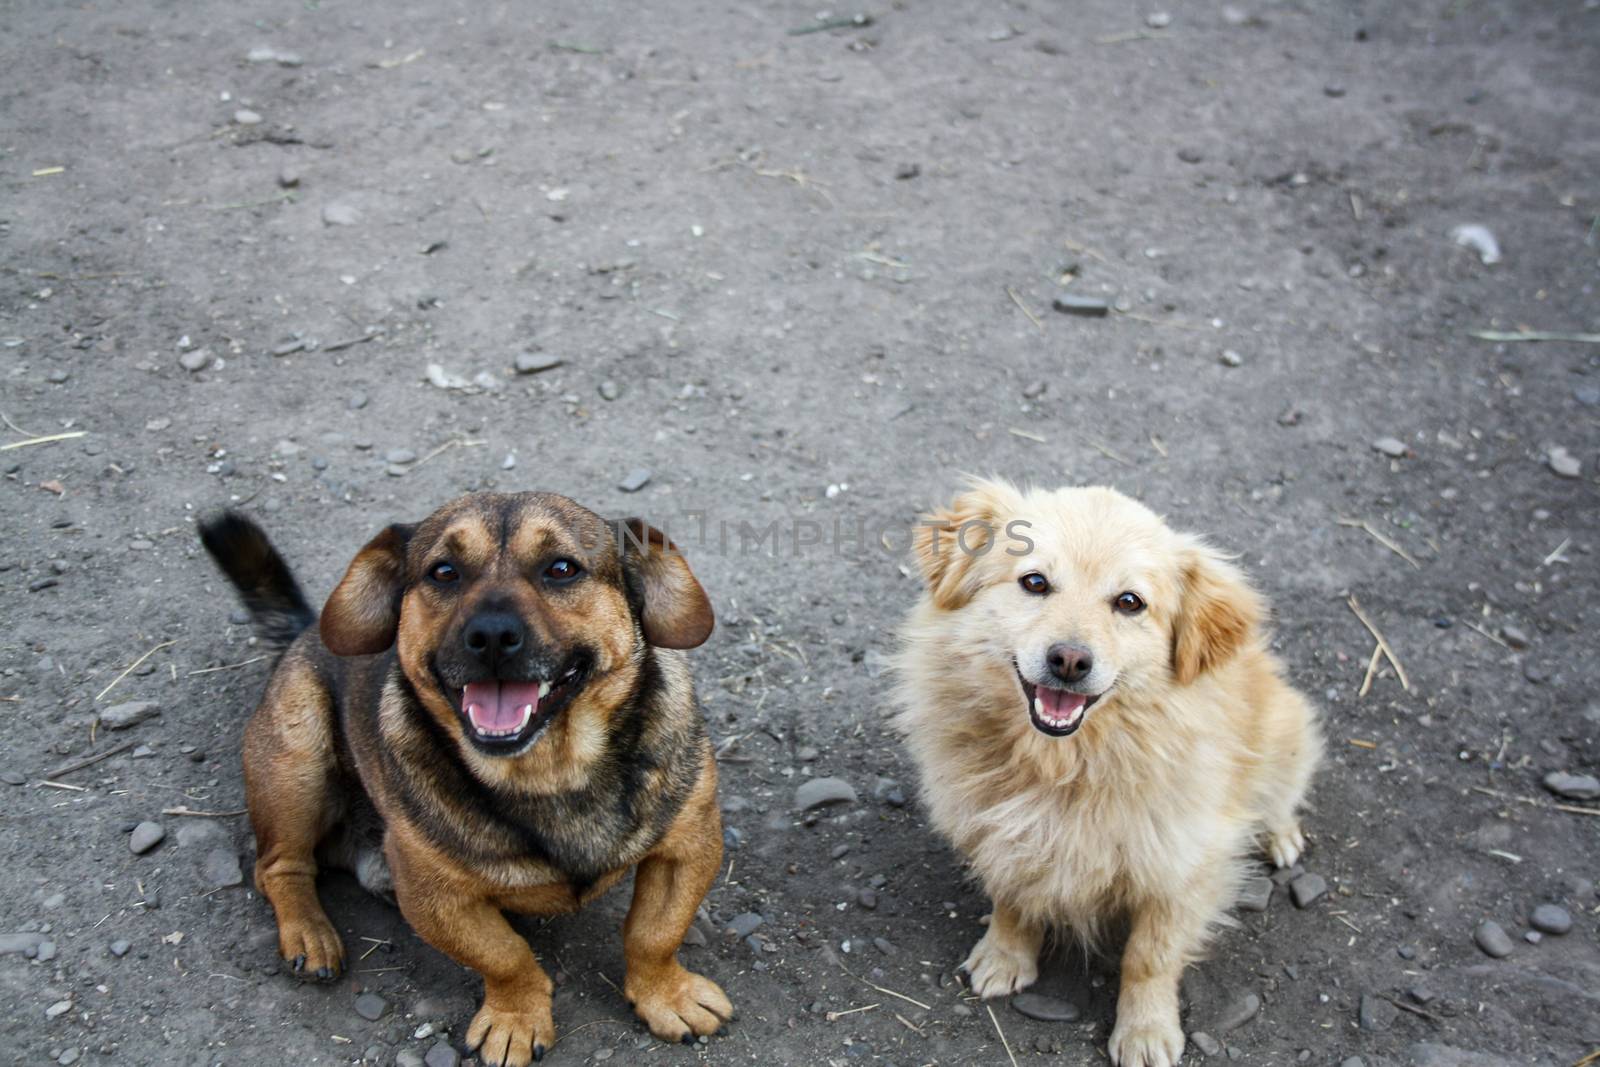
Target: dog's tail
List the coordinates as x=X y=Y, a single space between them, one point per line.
x=278 y=610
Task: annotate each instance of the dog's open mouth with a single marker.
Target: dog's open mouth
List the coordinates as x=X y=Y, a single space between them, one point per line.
x=503 y=715
x=1056 y=712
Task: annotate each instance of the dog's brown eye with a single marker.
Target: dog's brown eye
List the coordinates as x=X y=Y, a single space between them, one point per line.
x=561 y=570
x=1130 y=603
x=1035 y=583
x=444 y=573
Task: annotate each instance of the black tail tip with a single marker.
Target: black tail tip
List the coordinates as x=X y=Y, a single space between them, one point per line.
x=227 y=533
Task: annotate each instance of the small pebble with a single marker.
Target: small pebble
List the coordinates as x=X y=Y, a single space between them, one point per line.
x=1333 y=90
x=1158 y=20
x=1238 y=1013
x=1208 y=1045
x=1573 y=786
x=1074 y=304
x=119 y=948
x=742 y=926
x=399 y=455
x=371 y=1007
x=1375 y=1013
x=1256 y=894
x=1551 y=919
x=245 y=117
x=146 y=836
x=1230 y=358
x=610 y=390
x=819 y=792
x=635 y=480
x=1514 y=637
x=130 y=713
x=1564 y=463
x=337 y=214
x=442 y=1055
x=1044 y=1009
x=195 y=360
x=1392 y=447
x=534 y=362
x=1306 y=889
x=1491 y=937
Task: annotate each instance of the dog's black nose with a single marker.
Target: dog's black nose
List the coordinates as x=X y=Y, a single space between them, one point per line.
x=1070 y=663
x=493 y=635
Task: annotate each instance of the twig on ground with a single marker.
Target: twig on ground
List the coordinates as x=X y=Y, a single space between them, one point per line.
x=1478 y=629
x=1028 y=435
x=1535 y=335
x=456 y=442
x=339 y=346
x=1003 y=1042
x=1155 y=442
x=835 y=1016
x=1557 y=556
x=7 y=420
x=1383 y=643
x=908 y=1023
x=1372 y=670
x=89 y=761
x=803 y=180
x=881 y=989
x=227 y=667
x=203 y=814
x=129 y=669
x=1106 y=452
x=1017 y=300
x=46 y=439
x=1572 y=809
x=838 y=22
x=1412 y=1008
x=1382 y=539
x=1125 y=38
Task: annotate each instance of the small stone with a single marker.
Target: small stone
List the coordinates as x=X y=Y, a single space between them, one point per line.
x=635 y=480
x=868 y=898
x=1532 y=937
x=339 y=214
x=820 y=792
x=883 y=946
x=1034 y=390
x=1353 y=1061
x=399 y=455
x=56 y=377
x=221 y=868
x=600 y=1055
x=267 y=54
x=1587 y=395
x=1075 y=304
x=1491 y=937
x=1564 y=463
x=58 y=1009
x=245 y=117
x=146 y=836
x=131 y=713
x=1230 y=358
x=610 y=390
x=1208 y=1045
x=1190 y=155
x=47 y=951
x=1158 y=20
x=408 y=1057
x=20 y=944
x=1573 y=786
x=742 y=926
x=1392 y=447
x=120 y=947
x=1044 y=1009
x=1406 y=952
x=906 y=171
x=1375 y=1013
x=1306 y=889
x=1256 y=894
x=371 y=1007
x=1333 y=90
x=1238 y=1013
x=441 y=1055
x=69 y=1057
x=694 y=937
x=535 y=362
x=289 y=178
x=195 y=360
x=1514 y=637
x=357 y=401
x=11 y=777
x=732 y=838
x=1550 y=919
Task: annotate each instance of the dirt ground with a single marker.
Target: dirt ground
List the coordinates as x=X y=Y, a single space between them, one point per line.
x=807 y=278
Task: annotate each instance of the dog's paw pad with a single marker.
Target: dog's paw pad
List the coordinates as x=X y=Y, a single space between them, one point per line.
x=505 y=1038
x=1285 y=846
x=997 y=970
x=1146 y=1044
x=679 y=1005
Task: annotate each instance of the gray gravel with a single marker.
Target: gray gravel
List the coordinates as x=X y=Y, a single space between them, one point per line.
x=1045 y=1009
x=146 y=836
x=819 y=792
x=1492 y=938
x=1550 y=919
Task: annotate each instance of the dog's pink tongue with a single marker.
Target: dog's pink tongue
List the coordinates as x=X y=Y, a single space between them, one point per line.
x=1059 y=704
x=498 y=705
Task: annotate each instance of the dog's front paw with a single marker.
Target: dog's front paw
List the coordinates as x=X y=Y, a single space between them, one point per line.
x=677 y=1005
x=512 y=1037
x=998 y=969
x=1285 y=845
x=1146 y=1038
x=311 y=947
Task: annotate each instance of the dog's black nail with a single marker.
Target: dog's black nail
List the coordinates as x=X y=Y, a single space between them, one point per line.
x=538 y=1053
x=299 y=963
x=324 y=973
x=688 y=1039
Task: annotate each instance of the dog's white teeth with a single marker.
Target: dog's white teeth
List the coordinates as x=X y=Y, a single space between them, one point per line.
x=1038 y=706
x=544 y=690
x=527 y=714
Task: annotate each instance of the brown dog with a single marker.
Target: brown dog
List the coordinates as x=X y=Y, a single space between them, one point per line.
x=492 y=718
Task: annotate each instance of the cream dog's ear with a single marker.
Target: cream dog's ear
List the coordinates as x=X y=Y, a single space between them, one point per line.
x=948 y=541
x=1217 y=614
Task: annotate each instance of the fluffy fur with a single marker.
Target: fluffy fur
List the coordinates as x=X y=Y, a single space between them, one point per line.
x=1192 y=749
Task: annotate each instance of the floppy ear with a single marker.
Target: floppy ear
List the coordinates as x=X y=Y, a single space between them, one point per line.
x=673 y=610
x=948 y=541
x=363 y=614
x=1217 y=613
